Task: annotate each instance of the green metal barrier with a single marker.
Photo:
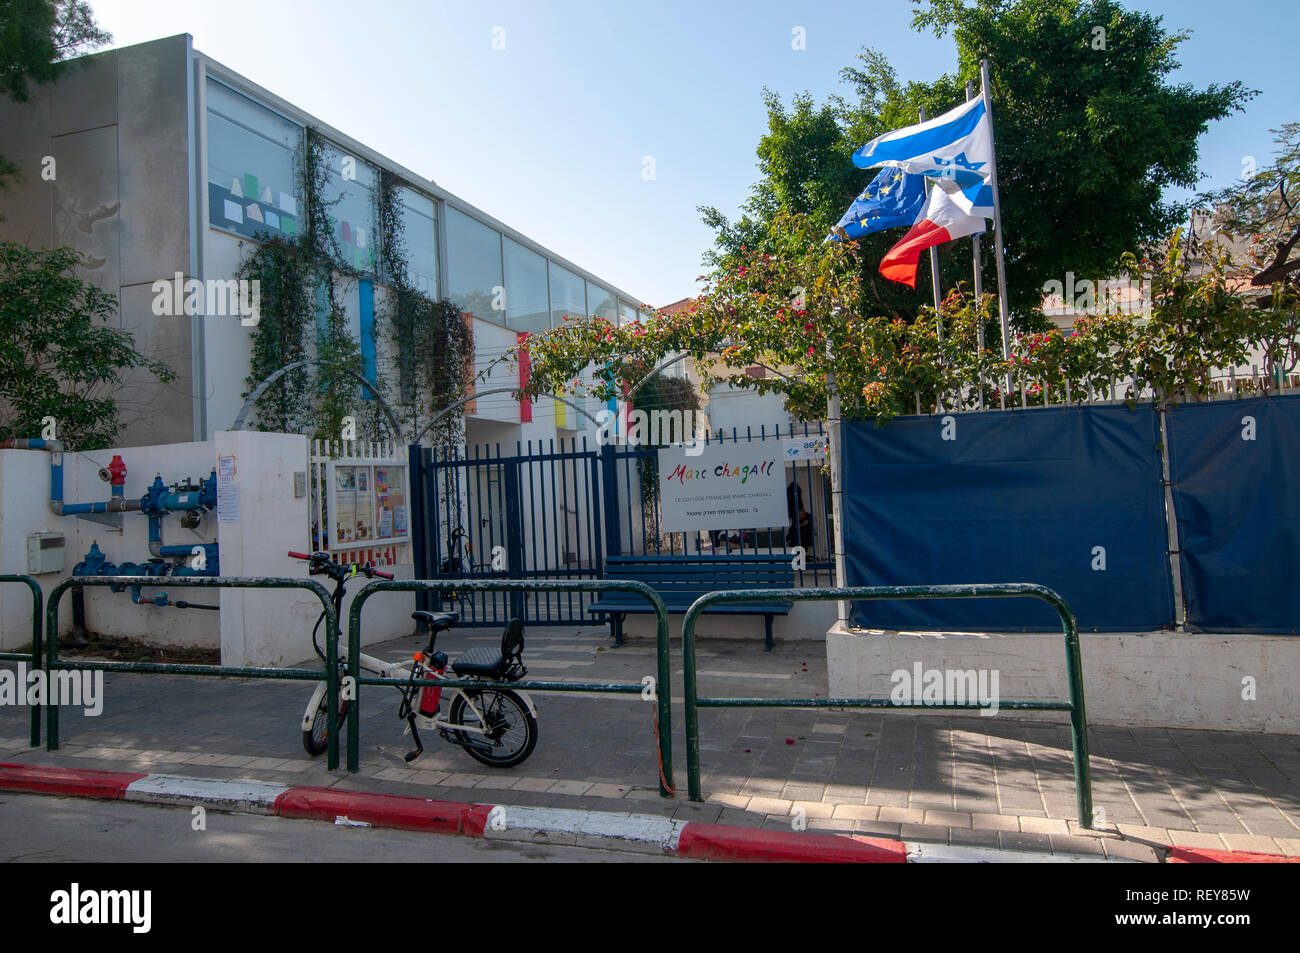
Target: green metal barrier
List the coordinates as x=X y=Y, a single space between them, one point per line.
x=34 y=657
x=53 y=664
x=663 y=719
x=1073 y=665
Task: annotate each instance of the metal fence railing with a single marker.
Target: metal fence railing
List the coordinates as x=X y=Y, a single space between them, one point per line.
x=661 y=688
x=1073 y=664
x=54 y=664
x=34 y=656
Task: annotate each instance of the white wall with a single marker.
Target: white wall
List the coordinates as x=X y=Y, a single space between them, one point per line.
x=1154 y=679
x=269 y=627
x=25 y=479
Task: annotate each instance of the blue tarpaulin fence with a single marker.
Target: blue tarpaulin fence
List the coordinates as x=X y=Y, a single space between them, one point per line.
x=1235 y=468
x=1067 y=497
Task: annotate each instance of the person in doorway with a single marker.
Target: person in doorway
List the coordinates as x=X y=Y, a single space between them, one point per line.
x=800 y=531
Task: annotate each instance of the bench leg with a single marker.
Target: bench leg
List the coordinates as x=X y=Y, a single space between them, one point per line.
x=767 y=619
x=617 y=619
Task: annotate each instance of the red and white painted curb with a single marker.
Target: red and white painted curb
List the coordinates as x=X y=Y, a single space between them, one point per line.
x=647 y=833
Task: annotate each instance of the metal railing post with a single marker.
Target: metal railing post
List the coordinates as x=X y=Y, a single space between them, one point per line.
x=1073 y=664
x=52 y=663
x=35 y=654
x=662 y=688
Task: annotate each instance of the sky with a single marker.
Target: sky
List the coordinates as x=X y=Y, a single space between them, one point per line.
x=597 y=128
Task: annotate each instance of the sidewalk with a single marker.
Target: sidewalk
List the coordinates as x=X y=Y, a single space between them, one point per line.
x=932 y=778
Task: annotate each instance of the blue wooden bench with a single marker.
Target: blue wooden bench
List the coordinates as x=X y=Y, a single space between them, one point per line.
x=683 y=579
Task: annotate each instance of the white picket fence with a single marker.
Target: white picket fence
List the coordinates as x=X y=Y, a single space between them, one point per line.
x=365 y=538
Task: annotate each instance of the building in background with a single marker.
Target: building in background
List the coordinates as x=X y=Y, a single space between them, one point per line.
x=166 y=162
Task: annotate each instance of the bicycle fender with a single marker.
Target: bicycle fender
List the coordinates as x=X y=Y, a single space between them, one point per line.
x=310 y=714
x=527 y=700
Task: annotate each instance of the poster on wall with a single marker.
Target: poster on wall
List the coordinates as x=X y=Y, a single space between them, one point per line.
x=368 y=504
x=728 y=486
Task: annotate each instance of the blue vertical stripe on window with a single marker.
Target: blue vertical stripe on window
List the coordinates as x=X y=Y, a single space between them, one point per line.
x=366 y=287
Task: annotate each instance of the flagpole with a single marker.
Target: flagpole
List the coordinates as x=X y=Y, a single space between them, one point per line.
x=979 y=279
x=997 y=229
x=934 y=260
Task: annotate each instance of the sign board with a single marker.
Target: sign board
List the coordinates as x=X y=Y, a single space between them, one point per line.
x=811 y=447
x=727 y=486
x=367 y=505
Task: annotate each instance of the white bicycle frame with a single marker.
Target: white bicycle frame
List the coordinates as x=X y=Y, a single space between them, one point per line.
x=403 y=669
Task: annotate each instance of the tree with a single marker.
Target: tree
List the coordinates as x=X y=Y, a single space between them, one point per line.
x=1263 y=208
x=36 y=38
x=57 y=357
x=1088 y=136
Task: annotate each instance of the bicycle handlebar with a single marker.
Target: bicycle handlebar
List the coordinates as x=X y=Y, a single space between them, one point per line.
x=323 y=561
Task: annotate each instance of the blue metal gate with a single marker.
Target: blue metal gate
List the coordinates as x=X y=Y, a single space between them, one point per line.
x=554 y=509
x=478 y=514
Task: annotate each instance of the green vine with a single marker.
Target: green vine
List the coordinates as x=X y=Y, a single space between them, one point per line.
x=300 y=279
x=433 y=342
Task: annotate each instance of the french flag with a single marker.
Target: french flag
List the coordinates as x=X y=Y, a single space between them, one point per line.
x=941 y=220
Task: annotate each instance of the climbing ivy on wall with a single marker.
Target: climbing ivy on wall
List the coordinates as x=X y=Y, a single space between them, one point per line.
x=302 y=280
x=432 y=341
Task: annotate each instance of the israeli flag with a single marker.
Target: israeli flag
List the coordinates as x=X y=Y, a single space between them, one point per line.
x=955 y=150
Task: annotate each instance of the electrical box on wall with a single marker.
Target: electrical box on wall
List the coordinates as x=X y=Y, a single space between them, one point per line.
x=44 y=553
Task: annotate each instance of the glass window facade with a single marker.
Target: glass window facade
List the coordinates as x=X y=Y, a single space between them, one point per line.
x=252 y=152
x=419 y=219
x=568 y=295
x=602 y=303
x=473 y=266
x=349 y=197
x=527 y=303
x=626 y=313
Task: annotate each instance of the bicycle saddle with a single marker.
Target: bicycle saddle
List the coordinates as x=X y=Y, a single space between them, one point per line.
x=435 y=621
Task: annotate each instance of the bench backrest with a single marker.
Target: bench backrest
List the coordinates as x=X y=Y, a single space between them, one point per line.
x=704 y=573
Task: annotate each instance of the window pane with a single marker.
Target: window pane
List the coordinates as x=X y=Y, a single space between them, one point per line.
x=349 y=197
x=568 y=295
x=626 y=313
x=473 y=265
x=602 y=303
x=526 y=306
x=252 y=188
x=420 y=235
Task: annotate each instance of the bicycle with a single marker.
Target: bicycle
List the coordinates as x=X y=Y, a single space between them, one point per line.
x=496 y=727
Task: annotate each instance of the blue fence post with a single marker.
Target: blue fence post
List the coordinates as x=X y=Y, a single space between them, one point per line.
x=609 y=497
x=514 y=532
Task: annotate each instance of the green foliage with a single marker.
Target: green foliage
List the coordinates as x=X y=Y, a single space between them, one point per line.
x=300 y=279
x=58 y=356
x=433 y=340
x=1262 y=208
x=1087 y=140
x=883 y=366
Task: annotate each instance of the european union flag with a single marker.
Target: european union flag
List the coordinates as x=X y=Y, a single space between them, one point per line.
x=893 y=198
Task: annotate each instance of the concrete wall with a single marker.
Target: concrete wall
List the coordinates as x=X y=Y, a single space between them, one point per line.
x=1154 y=679
x=116 y=126
x=806 y=621
x=253 y=627
x=24 y=490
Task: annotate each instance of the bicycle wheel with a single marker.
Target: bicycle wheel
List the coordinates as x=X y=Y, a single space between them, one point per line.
x=510 y=726
x=316 y=739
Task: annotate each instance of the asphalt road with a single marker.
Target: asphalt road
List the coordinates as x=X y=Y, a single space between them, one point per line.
x=44 y=829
